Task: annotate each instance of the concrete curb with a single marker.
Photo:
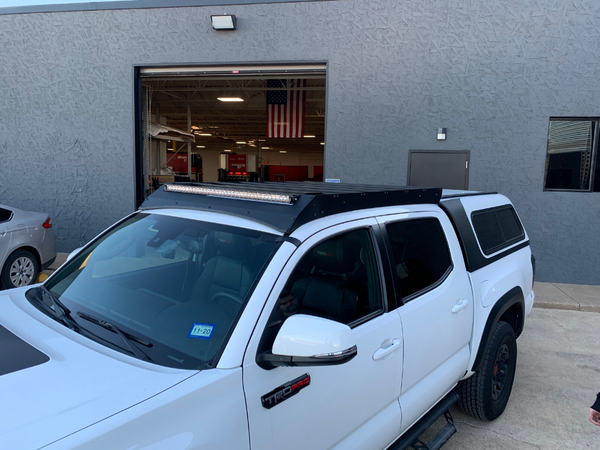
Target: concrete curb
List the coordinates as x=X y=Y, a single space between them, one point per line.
x=569 y=297
x=59 y=261
x=583 y=308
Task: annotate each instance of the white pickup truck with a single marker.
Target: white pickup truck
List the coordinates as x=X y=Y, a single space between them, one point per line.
x=271 y=316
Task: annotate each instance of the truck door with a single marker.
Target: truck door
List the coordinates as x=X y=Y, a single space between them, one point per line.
x=437 y=314
x=335 y=274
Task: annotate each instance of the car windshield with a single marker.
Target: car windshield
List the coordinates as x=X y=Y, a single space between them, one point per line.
x=170 y=286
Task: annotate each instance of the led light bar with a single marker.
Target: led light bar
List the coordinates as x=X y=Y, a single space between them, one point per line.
x=246 y=195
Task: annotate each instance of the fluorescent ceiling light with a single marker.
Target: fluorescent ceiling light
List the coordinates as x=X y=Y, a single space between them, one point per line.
x=282 y=151
x=322 y=143
x=200 y=146
x=240 y=142
x=230 y=99
x=194 y=127
x=309 y=136
x=223 y=22
x=227 y=150
x=204 y=134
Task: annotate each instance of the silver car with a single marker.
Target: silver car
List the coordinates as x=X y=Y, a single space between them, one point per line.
x=27 y=246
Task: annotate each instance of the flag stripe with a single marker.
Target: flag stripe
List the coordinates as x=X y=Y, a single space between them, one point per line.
x=281 y=120
x=294 y=115
x=287 y=114
x=303 y=114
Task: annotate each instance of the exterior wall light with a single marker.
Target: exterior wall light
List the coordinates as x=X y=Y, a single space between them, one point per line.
x=223 y=22
x=441 y=134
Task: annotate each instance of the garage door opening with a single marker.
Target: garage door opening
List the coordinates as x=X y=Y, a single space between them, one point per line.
x=242 y=123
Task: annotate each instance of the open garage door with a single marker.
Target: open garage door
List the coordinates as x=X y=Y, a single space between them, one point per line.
x=223 y=123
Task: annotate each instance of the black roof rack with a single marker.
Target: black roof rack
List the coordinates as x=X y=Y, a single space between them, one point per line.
x=285 y=206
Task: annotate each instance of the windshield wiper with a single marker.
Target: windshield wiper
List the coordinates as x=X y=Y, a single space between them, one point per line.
x=58 y=309
x=124 y=335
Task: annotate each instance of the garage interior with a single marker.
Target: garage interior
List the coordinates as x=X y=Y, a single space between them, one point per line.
x=210 y=124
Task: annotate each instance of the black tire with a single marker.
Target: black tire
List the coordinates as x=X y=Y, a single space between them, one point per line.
x=20 y=269
x=486 y=393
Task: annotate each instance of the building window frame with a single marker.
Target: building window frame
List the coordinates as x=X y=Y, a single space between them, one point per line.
x=593 y=184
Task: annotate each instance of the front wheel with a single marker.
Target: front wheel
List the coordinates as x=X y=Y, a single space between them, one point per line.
x=20 y=269
x=486 y=393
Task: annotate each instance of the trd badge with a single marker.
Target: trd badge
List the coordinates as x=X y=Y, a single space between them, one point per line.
x=285 y=391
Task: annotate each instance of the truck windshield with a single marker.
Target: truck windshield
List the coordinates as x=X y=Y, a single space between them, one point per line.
x=176 y=284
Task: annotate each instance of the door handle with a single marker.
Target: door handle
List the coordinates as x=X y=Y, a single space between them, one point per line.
x=460 y=305
x=383 y=352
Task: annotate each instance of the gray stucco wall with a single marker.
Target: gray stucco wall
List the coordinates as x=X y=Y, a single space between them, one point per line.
x=491 y=72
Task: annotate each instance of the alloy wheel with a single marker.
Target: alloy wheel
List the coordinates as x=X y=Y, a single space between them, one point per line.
x=21 y=272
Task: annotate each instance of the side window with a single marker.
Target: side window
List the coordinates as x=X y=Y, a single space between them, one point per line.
x=337 y=279
x=420 y=253
x=572 y=158
x=497 y=228
x=5 y=215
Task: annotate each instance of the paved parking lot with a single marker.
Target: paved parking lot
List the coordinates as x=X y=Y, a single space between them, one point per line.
x=558 y=377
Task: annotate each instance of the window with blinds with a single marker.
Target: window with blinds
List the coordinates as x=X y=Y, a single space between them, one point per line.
x=572 y=158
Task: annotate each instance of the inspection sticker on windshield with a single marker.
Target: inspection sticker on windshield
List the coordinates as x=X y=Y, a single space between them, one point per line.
x=201 y=331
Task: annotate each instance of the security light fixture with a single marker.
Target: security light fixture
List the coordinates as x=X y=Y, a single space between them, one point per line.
x=441 y=134
x=230 y=99
x=223 y=22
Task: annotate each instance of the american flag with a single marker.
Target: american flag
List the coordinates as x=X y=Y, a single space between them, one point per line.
x=286 y=109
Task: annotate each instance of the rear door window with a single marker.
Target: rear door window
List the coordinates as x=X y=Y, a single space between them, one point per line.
x=420 y=253
x=497 y=228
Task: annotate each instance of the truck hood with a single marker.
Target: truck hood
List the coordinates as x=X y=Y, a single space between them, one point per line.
x=55 y=382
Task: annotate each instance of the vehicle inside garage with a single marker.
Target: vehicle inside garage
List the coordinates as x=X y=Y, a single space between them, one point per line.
x=233 y=124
